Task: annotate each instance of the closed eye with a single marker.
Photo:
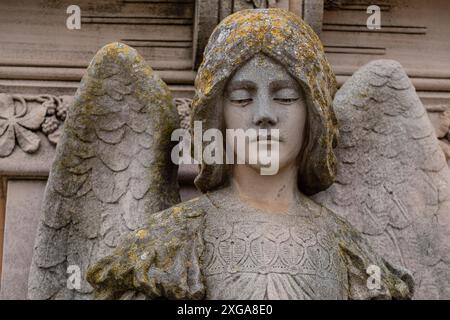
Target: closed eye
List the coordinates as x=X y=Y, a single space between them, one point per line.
x=241 y=102
x=285 y=100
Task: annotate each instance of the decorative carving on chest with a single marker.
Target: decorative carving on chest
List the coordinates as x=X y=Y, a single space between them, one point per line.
x=268 y=247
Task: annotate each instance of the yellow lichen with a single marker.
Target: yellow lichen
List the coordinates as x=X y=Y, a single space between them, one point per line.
x=141 y=234
x=177 y=210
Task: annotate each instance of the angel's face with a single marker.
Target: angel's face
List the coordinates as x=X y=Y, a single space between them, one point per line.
x=263 y=95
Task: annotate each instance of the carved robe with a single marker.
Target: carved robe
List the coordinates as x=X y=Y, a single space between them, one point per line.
x=214 y=247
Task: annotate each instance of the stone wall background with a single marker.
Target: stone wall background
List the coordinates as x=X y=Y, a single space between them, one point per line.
x=41 y=64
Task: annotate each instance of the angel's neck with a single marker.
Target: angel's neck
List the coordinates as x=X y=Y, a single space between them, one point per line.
x=273 y=193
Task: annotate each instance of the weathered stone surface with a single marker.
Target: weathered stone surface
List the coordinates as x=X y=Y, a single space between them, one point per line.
x=112 y=169
x=393 y=183
x=159 y=262
x=313 y=14
x=24 y=198
x=440 y=122
x=445 y=145
x=308 y=245
x=187 y=253
x=26 y=164
x=17 y=123
x=212 y=246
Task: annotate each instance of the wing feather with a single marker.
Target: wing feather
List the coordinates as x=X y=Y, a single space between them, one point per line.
x=393 y=183
x=111 y=171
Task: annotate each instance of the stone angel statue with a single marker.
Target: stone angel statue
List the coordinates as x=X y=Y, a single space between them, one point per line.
x=112 y=207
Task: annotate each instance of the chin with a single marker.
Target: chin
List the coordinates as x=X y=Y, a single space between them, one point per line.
x=259 y=166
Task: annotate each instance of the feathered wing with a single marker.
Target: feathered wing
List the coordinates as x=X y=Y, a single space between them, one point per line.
x=393 y=183
x=111 y=171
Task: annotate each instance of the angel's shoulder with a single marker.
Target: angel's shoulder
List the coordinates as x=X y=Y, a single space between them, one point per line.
x=326 y=216
x=170 y=238
x=342 y=228
x=346 y=235
x=179 y=219
x=190 y=209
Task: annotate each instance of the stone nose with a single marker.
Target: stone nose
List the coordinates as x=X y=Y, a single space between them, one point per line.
x=264 y=114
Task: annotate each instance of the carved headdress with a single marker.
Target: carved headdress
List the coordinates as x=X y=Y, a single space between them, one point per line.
x=284 y=37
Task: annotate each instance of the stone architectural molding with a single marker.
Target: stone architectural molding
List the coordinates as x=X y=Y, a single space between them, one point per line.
x=263 y=3
x=184 y=106
x=22 y=116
